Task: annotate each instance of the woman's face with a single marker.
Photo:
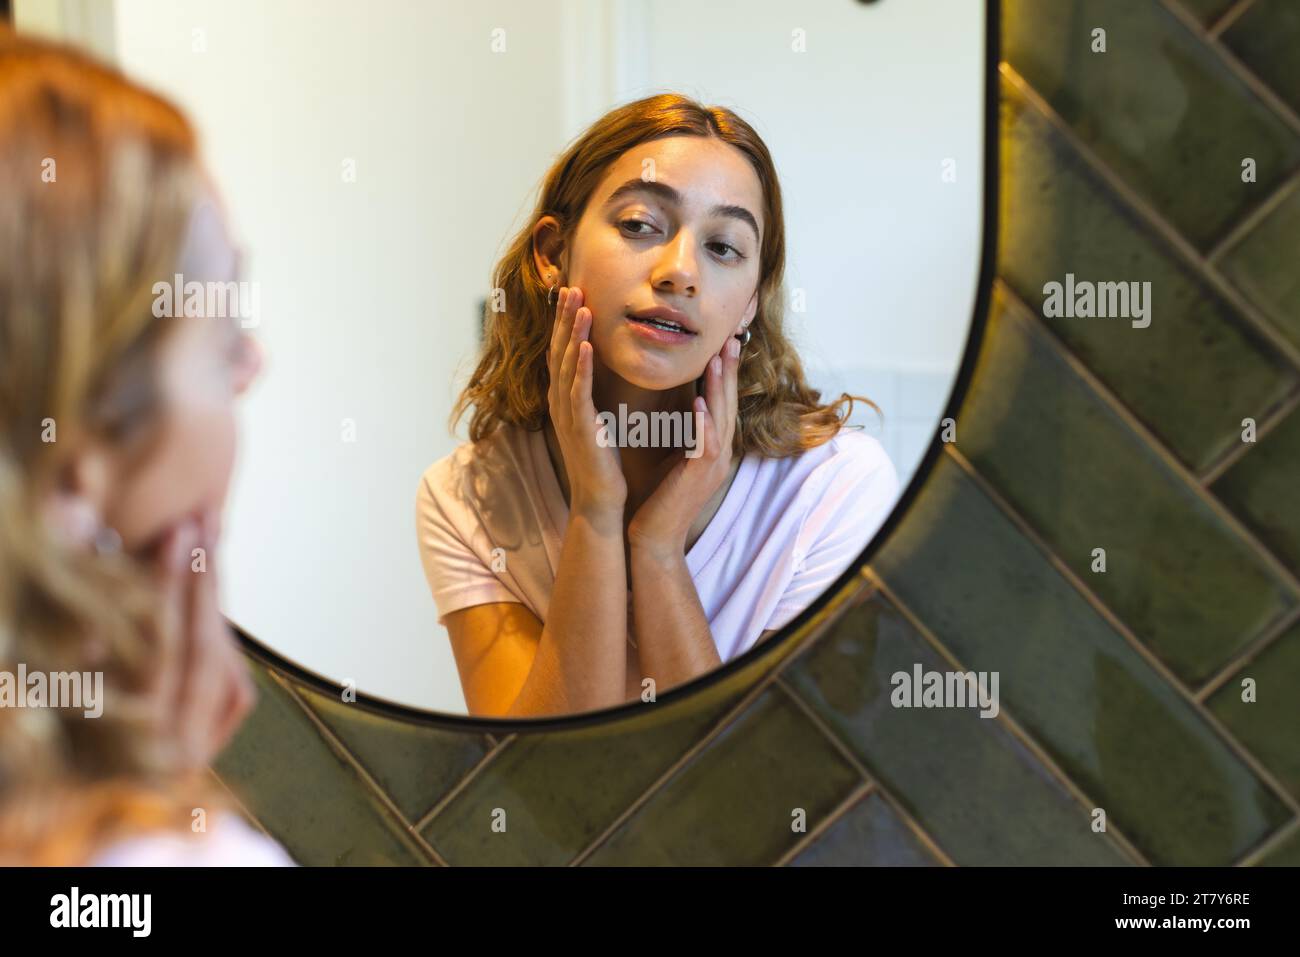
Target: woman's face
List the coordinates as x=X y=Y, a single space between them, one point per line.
x=675 y=222
x=204 y=363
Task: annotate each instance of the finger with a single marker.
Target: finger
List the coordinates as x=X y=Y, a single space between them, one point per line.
x=568 y=353
x=715 y=397
x=206 y=672
x=584 y=406
x=240 y=696
x=709 y=435
x=581 y=326
x=558 y=337
x=566 y=308
x=731 y=377
x=247 y=690
x=170 y=637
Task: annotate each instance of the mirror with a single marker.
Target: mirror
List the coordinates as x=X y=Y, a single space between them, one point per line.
x=384 y=166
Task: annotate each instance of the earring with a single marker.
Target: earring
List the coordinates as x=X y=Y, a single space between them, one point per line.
x=744 y=340
x=107 y=541
x=550 y=293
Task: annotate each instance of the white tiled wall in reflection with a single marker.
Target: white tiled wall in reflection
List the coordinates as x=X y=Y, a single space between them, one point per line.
x=911 y=400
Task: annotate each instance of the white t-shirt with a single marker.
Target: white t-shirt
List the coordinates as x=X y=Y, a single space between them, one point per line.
x=491 y=519
x=228 y=842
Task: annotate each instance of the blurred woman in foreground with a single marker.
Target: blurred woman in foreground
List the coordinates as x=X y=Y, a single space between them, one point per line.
x=117 y=439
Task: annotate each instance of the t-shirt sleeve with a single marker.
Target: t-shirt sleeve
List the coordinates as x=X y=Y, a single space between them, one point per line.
x=457 y=576
x=847 y=499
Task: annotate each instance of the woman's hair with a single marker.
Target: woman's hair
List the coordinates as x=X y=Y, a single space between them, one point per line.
x=99 y=179
x=778 y=413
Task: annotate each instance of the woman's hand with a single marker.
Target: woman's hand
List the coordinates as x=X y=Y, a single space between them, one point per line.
x=596 y=483
x=664 y=520
x=203 y=691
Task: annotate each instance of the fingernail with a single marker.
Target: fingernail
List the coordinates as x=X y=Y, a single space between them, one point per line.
x=715 y=364
x=734 y=347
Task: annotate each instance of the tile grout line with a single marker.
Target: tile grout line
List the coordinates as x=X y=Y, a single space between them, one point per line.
x=239 y=803
x=243 y=808
x=1248 y=654
x=931 y=844
x=1269 y=422
x=1022 y=313
x=465 y=779
x=1015 y=729
x=1243 y=312
x=833 y=739
x=1257 y=214
x=337 y=745
x=1227 y=18
x=733 y=714
x=1234 y=65
x=1261 y=850
x=1229 y=740
x=730 y=717
x=859 y=793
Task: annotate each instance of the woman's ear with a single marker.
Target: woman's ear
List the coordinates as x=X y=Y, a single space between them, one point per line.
x=548 y=249
x=74 y=509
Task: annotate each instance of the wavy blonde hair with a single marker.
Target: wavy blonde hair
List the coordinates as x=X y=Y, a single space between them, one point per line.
x=99 y=179
x=779 y=414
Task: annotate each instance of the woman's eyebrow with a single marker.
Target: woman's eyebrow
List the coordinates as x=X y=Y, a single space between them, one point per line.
x=670 y=195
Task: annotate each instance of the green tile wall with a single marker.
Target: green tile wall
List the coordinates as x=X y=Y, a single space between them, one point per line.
x=1120 y=690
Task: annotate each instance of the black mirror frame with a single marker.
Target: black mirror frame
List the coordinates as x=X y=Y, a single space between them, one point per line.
x=825 y=610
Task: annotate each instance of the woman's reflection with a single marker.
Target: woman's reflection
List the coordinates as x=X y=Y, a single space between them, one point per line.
x=580 y=562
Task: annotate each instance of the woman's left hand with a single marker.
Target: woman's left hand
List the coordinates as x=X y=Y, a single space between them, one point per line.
x=664 y=520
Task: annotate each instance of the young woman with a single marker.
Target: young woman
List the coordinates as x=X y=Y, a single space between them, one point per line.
x=576 y=572
x=117 y=438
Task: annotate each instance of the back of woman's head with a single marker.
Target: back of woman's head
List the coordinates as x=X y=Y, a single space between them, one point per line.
x=99 y=178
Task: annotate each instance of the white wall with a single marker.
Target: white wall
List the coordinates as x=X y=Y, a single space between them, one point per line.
x=886 y=251
x=369 y=290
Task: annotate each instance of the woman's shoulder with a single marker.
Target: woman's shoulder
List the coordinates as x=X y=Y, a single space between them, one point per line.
x=228 y=842
x=851 y=466
x=851 y=455
x=856 y=448
x=496 y=457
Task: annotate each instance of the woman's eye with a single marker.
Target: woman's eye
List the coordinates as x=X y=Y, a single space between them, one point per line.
x=736 y=256
x=725 y=246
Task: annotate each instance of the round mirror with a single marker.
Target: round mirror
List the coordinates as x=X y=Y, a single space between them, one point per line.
x=439 y=204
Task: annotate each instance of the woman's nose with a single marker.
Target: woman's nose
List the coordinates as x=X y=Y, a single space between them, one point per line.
x=678 y=267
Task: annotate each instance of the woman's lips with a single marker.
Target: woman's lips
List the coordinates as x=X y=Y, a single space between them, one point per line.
x=654 y=333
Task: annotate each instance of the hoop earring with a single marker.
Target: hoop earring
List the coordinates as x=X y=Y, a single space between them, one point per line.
x=744 y=340
x=550 y=293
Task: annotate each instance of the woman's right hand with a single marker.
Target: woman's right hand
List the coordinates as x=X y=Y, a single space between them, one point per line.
x=203 y=690
x=596 y=482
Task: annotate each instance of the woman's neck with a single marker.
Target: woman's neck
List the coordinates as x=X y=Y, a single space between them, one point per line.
x=609 y=391
x=642 y=466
